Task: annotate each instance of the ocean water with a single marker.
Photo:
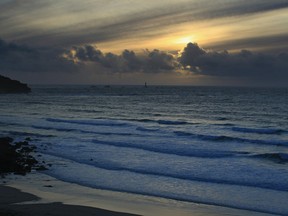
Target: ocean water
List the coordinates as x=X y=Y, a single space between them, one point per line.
x=211 y=145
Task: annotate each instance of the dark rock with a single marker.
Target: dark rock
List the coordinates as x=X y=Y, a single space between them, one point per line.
x=16 y=158
x=12 y=86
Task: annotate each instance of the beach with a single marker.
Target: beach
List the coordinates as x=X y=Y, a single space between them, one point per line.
x=27 y=191
x=39 y=194
x=10 y=196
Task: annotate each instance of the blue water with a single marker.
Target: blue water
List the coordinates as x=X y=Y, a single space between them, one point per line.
x=219 y=146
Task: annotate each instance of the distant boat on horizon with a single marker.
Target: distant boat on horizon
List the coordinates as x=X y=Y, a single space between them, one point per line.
x=145 y=85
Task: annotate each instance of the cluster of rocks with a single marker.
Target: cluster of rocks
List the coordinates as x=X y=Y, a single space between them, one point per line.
x=16 y=157
x=12 y=86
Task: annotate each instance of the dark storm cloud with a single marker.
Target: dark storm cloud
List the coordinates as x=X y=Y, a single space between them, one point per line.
x=159 y=60
x=193 y=58
x=15 y=57
x=126 y=23
x=6 y=48
x=86 y=53
x=190 y=54
x=149 y=62
x=261 y=67
x=241 y=64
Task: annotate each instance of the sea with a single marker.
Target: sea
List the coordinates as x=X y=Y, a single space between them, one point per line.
x=221 y=146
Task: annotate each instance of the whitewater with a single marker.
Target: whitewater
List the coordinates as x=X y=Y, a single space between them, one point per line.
x=212 y=145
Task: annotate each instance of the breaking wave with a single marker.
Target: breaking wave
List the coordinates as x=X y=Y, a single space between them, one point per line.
x=258 y=130
x=223 y=138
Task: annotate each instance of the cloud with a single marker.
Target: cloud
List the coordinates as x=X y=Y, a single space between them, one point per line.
x=193 y=61
x=159 y=60
x=70 y=22
x=190 y=54
x=147 y=62
x=85 y=53
x=6 y=48
x=259 y=67
x=242 y=64
x=14 y=57
x=268 y=43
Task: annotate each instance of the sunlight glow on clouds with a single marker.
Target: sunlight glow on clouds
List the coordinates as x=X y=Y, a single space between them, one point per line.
x=145 y=38
x=71 y=22
x=184 y=40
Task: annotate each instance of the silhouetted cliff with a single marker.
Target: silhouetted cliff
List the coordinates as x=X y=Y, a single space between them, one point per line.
x=12 y=86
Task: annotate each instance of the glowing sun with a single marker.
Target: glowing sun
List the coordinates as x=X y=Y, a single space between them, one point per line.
x=184 y=40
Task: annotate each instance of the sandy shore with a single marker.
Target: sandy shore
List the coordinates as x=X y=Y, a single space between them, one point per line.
x=11 y=196
x=40 y=194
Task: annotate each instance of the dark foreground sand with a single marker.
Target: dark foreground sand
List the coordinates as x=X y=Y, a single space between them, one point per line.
x=9 y=196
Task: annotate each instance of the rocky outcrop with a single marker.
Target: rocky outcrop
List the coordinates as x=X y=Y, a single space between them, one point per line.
x=15 y=157
x=12 y=86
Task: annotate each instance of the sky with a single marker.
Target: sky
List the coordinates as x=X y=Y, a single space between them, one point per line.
x=162 y=42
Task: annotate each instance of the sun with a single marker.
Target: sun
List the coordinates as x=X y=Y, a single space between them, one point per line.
x=184 y=40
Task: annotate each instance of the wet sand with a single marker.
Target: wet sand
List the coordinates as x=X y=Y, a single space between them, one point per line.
x=63 y=198
x=11 y=196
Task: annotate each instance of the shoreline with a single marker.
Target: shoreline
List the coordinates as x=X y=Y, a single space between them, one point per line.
x=37 y=193
x=55 y=194
x=11 y=204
